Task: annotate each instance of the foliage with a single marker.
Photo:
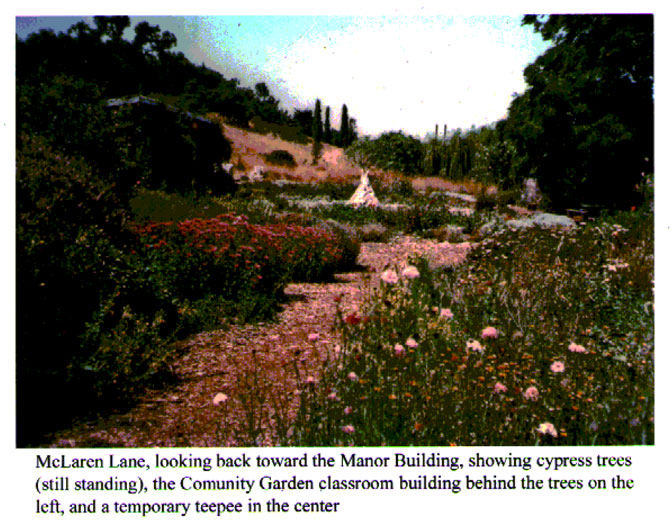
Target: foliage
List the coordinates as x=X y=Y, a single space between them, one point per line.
x=327 y=126
x=98 y=307
x=584 y=127
x=317 y=122
x=391 y=151
x=156 y=205
x=177 y=152
x=99 y=55
x=317 y=132
x=481 y=154
x=346 y=134
x=280 y=157
x=68 y=252
x=421 y=219
x=293 y=133
x=542 y=338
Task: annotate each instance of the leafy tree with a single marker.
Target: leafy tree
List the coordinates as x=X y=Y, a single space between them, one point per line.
x=391 y=151
x=261 y=90
x=112 y=26
x=304 y=119
x=584 y=127
x=152 y=41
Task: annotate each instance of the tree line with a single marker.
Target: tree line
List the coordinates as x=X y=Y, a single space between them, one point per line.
x=583 y=128
x=90 y=62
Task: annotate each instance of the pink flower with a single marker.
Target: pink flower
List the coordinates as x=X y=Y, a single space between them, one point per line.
x=577 y=348
x=353 y=376
x=332 y=396
x=558 y=367
x=220 y=398
x=399 y=350
x=445 y=312
x=499 y=388
x=531 y=394
x=410 y=272
x=348 y=429
x=347 y=410
x=313 y=337
x=390 y=277
x=411 y=343
x=475 y=346
x=489 y=333
x=546 y=428
x=310 y=380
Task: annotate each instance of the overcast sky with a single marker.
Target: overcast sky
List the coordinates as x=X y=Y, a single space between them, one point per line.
x=394 y=73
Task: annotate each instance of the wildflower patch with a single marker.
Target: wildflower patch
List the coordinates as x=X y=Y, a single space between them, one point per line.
x=500 y=350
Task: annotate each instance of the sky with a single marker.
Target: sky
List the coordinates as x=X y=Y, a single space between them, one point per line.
x=393 y=72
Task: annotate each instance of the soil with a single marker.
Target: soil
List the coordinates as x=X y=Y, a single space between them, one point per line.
x=269 y=357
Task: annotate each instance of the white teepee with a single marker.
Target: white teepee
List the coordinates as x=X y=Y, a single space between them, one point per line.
x=364 y=195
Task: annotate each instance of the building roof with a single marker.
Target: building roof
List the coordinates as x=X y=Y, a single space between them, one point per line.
x=138 y=99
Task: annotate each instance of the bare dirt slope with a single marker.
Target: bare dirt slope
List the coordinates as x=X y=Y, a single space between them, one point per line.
x=249 y=148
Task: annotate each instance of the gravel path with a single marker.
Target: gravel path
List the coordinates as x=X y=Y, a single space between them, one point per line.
x=267 y=357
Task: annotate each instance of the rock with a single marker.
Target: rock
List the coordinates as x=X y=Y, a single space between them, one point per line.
x=546 y=220
x=538 y=219
x=364 y=195
x=256 y=174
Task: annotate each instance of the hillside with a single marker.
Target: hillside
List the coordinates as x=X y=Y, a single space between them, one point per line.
x=250 y=147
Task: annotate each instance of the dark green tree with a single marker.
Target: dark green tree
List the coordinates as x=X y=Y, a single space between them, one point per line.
x=152 y=41
x=112 y=26
x=584 y=127
x=304 y=119
x=261 y=90
x=394 y=151
x=327 y=126
x=317 y=131
x=345 y=138
x=317 y=122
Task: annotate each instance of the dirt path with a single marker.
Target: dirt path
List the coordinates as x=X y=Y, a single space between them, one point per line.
x=265 y=357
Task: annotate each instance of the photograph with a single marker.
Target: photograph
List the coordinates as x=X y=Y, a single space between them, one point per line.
x=333 y=231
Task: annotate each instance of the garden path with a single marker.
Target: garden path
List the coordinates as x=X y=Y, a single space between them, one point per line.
x=263 y=356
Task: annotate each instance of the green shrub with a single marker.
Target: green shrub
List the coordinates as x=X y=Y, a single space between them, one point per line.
x=157 y=205
x=68 y=238
x=291 y=133
x=281 y=158
x=392 y=188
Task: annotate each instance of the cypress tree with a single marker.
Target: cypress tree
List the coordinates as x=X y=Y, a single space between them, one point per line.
x=327 y=126
x=317 y=131
x=317 y=122
x=345 y=127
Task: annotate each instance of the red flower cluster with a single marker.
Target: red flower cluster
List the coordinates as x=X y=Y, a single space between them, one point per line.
x=281 y=252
